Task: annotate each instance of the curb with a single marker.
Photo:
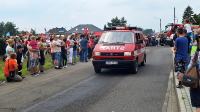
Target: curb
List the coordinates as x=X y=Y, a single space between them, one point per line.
x=183 y=97
x=167 y=96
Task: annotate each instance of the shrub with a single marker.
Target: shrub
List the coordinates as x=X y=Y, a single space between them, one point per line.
x=2 y=46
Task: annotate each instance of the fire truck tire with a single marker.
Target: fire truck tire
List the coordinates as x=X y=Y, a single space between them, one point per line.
x=134 y=68
x=97 y=69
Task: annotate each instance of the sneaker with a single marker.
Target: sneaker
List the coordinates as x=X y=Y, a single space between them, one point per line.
x=60 y=67
x=56 y=67
x=37 y=74
x=179 y=86
x=65 y=66
x=23 y=77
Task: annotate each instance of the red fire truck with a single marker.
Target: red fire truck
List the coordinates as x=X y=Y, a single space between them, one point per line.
x=120 y=47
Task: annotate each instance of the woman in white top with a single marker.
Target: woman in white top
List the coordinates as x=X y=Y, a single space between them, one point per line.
x=188 y=27
x=9 y=48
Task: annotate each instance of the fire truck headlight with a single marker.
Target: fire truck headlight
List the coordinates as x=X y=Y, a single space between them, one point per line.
x=127 y=53
x=97 y=53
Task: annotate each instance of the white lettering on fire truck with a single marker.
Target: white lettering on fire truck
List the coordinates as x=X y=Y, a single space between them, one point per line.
x=122 y=48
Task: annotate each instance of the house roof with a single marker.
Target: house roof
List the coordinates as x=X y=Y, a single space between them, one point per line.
x=59 y=31
x=80 y=28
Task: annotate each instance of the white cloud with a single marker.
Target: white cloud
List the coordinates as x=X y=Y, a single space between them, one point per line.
x=42 y=14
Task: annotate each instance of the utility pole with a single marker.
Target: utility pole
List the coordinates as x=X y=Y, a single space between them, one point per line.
x=160 y=25
x=174 y=15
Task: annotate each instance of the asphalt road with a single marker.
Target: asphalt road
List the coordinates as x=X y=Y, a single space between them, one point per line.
x=79 y=89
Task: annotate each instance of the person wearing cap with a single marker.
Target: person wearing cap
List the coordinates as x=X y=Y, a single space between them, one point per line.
x=9 y=48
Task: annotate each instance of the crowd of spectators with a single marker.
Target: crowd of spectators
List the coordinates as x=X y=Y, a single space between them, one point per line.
x=64 y=50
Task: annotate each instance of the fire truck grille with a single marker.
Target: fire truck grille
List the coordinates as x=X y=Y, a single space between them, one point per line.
x=112 y=54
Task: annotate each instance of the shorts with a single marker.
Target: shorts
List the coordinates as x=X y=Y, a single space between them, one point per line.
x=58 y=56
x=74 y=53
x=33 y=63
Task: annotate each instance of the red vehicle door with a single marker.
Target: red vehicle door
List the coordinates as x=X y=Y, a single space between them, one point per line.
x=139 y=48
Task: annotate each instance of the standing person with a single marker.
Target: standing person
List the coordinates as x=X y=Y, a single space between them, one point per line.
x=20 y=59
x=91 y=47
x=181 y=51
x=96 y=39
x=84 y=48
x=80 y=50
x=52 y=50
x=70 y=48
x=57 y=43
x=195 y=60
x=64 y=53
x=10 y=69
x=27 y=53
x=188 y=27
x=42 y=47
x=75 y=47
x=10 y=48
x=34 y=51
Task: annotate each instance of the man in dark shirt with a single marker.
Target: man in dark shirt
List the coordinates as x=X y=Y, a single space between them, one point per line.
x=181 y=51
x=84 y=48
x=181 y=46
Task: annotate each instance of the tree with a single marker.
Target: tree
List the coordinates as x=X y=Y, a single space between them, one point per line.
x=2 y=32
x=188 y=14
x=104 y=27
x=123 y=21
x=10 y=27
x=23 y=32
x=148 y=32
x=196 y=19
x=117 y=22
x=33 y=31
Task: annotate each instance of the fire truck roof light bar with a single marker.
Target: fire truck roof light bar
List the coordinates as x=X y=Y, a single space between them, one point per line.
x=121 y=28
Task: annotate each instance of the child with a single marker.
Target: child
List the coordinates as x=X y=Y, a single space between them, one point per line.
x=10 y=69
x=20 y=60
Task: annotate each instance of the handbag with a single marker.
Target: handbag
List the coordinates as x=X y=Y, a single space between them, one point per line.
x=192 y=78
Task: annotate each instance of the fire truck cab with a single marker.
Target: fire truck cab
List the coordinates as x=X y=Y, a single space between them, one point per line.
x=120 y=47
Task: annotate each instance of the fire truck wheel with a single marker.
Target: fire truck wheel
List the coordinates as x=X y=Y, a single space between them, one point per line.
x=97 y=69
x=134 y=68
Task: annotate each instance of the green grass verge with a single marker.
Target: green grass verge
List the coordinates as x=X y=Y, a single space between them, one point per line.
x=48 y=65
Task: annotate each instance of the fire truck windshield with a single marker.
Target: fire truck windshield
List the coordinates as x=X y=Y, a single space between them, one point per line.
x=116 y=37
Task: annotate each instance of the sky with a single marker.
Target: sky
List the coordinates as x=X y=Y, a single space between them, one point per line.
x=40 y=14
